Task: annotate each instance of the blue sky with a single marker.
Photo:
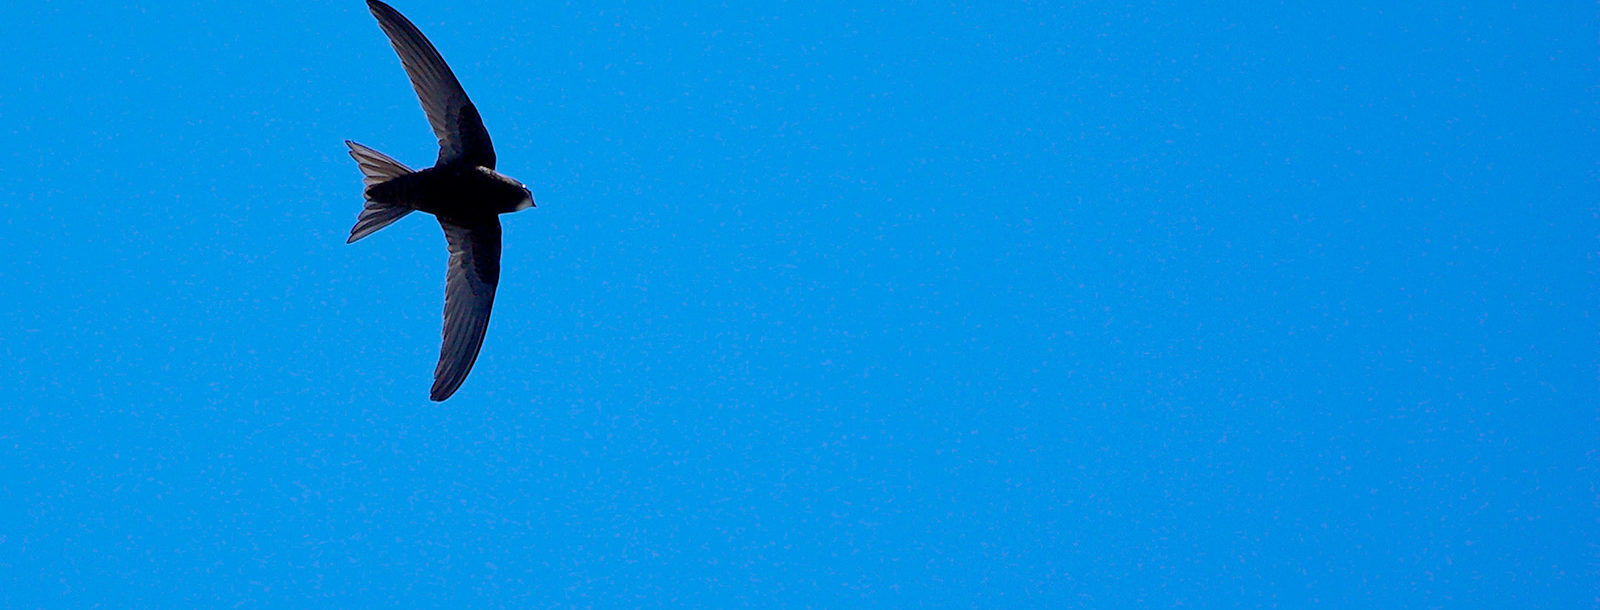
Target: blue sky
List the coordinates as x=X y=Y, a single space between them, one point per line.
x=918 y=304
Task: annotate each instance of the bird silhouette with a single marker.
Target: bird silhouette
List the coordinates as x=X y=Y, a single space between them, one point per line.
x=462 y=190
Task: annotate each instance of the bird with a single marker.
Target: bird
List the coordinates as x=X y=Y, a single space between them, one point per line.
x=462 y=191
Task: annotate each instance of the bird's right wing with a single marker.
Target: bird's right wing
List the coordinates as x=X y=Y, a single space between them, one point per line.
x=468 y=296
x=455 y=120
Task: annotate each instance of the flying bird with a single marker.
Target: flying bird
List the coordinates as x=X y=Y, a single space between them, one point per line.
x=462 y=190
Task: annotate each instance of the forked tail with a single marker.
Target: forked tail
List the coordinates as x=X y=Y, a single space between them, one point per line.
x=376 y=168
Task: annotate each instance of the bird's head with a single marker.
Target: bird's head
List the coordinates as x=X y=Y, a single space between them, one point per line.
x=527 y=198
x=511 y=191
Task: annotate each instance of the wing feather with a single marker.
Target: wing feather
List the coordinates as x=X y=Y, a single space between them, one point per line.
x=469 y=295
x=455 y=121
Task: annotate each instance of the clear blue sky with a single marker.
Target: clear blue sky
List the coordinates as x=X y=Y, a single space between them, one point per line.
x=825 y=304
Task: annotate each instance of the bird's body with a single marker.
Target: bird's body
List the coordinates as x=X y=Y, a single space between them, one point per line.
x=455 y=191
x=462 y=190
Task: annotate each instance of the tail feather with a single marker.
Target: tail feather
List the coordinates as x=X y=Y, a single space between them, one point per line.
x=376 y=168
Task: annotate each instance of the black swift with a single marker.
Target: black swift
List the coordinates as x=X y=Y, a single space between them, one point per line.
x=462 y=190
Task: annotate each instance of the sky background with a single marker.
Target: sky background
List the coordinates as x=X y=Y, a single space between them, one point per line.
x=825 y=304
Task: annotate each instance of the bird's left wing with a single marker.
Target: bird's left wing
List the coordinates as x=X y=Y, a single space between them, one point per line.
x=469 y=295
x=455 y=120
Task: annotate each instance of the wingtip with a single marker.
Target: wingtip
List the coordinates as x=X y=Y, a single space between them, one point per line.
x=441 y=394
x=444 y=386
x=380 y=10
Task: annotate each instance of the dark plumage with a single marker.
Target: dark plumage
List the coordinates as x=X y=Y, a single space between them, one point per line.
x=461 y=189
